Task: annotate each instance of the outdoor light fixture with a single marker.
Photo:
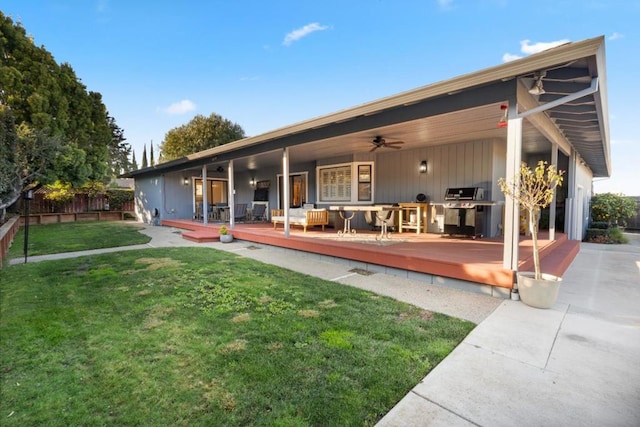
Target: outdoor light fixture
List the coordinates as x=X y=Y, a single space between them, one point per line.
x=185 y=180
x=220 y=169
x=503 y=120
x=423 y=166
x=537 y=88
x=252 y=182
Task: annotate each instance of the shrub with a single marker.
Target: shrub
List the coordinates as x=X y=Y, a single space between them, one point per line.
x=600 y=234
x=117 y=197
x=614 y=209
x=597 y=235
x=600 y=225
x=616 y=236
x=60 y=193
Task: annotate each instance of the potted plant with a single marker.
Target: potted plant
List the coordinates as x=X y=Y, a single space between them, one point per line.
x=534 y=189
x=225 y=236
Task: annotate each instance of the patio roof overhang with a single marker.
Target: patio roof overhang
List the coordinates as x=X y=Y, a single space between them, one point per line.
x=464 y=108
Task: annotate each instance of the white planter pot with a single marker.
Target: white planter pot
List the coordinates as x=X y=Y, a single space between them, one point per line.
x=226 y=238
x=538 y=293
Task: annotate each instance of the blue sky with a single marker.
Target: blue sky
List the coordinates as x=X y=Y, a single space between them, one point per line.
x=268 y=64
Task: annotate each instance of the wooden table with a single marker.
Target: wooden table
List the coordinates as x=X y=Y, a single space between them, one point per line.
x=420 y=224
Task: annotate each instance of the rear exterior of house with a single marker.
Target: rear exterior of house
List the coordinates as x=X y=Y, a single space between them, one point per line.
x=466 y=132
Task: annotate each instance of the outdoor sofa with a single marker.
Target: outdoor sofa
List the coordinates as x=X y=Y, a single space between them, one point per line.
x=306 y=217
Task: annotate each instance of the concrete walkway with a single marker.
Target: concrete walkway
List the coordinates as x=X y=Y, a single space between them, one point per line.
x=577 y=364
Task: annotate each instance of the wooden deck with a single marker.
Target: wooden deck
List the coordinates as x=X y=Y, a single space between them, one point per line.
x=440 y=257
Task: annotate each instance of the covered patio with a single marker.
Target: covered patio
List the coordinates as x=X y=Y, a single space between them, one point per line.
x=471 y=264
x=466 y=132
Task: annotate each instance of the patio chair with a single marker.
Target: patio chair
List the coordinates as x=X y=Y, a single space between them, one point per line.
x=197 y=215
x=214 y=214
x=240 y=211
x=375 y=219
x=258 y=213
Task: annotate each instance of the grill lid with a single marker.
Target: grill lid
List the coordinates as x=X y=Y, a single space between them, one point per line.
x=464 y=193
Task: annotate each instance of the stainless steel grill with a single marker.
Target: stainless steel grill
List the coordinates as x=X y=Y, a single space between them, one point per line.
x=463 y=211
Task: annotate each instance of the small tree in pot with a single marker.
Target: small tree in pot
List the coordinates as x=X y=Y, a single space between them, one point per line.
x=225 y=236
x=533 y=189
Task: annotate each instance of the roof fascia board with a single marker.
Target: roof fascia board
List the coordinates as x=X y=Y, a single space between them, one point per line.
x=602 y=106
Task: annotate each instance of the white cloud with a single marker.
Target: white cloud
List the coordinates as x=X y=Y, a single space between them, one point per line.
x=445 y=4
x=508 y=57
x=181 y=107
x=102 y=6
x=528 y=48
x=616 y=36
x=296 y=35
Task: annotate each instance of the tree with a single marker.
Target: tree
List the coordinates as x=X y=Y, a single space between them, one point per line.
x=119 y=151
x=26 y=156
x=144 y=157
x=199 y=134
x=152 y=161
x=10 y=174
x=533 y=190
x=63 y=131
x=613 y=209
x=134 y=163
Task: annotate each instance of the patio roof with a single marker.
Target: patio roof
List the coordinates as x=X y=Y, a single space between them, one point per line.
x=464 y=108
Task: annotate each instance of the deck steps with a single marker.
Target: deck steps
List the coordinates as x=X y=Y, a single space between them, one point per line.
x=201 y=236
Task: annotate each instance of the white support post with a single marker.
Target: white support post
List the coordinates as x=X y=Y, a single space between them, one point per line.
x=512 y=209
x=232 y=196
x=205 y=201
x=285 y=190
x=552 y=206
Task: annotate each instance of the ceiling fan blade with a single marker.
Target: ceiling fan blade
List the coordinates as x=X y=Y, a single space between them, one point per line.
x=394 y=143
x=374 y=148
x=393 y=146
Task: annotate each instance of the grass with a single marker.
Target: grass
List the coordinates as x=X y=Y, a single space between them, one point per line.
x=195 y=336
x=76 y=236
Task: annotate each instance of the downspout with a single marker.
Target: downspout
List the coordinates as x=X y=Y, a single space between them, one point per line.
x=593 y=87
x=569 y=221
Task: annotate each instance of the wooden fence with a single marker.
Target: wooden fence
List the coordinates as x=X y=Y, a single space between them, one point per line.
x=7 y=233
x=80 y=203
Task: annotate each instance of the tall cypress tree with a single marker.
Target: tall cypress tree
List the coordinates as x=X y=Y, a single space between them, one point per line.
x=134 y=163
x=145 y=164
x=152 y=160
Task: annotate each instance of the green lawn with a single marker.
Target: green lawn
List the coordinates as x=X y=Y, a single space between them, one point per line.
x=194 y=336
x=76 y=236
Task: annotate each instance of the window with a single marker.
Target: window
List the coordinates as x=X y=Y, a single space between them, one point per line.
x=216 y=191
x=336 y=183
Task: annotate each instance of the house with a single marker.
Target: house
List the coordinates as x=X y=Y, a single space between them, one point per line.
x=465 y=132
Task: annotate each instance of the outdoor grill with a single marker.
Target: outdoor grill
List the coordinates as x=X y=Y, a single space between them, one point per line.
x=463 y=211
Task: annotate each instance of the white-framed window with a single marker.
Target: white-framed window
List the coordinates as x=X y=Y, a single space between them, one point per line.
x=345 y=183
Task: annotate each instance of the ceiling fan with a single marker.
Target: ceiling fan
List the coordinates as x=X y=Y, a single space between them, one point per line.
x=379 y=142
